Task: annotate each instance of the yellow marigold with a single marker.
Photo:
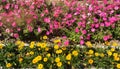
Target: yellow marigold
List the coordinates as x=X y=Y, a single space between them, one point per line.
x=39 y=57
x=116 y=58
x=68 y=57
x=20 y=59
x=45 y=37
x=57 y=59
x=34 y=60
x=118 y=66
x=68 y=62
x=1 y=46
x=45 y=59
x=75 y=53
x=109 y=53
x=57 y=41
x=40 y=66
x=59 y=64
x=102 y=55
x=89 y=44
x=114 y=44
x=38 y=44
x=112 y=49
x=115 y=54
x=63 y=48
x=8 y=65
x=48 y=55
x=43 y=45
x=18 y=42
x=90 y=52
x=58 y=51
x=31 y=53
x=21 y=46
x=107 y=43
x=46 y=49
x=90 y=61
x=96 y=54
x=56 y=47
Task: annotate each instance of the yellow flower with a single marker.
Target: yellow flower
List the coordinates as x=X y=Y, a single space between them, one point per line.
x=68 y=62
x=118 y=65
x=20 y=47
x=107 y=43
x=57 y=59
x=32 y=44
x=56 y=47
x=43 y=45
x=59 y=64
x=46 y=49
x=58 y=51
x=102 y=55
x=89 y=44
x=68 y=57
x=112 y=49
x=38 y=44
x=90 y=52
x=48 y=55
x=27 y=54
x=40 y=66
x=116 y=58
x=31 y=53
x=1 y=46
x=75 y=53
x=45 y=59
x=20 y=59
x=96 y=54
x=114 y=44
x=8 y=65
x=115 y=54
x=34 y=61
x=18 y=42
x=39 y=57
x=45 y=37
x=90 y=61
x=109 y=53
x=63 y=48
x=57 y=41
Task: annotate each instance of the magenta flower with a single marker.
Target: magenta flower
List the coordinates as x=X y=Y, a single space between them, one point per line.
x=1 y=24
x=47 y=20
x=39 y=29
x=66 y=43
x=30 y=28
x=14 y=24
x=47 y=33
x=16 y=35
x=84 y=31
x=76 y=30
x=93 y=29
x=82 y=42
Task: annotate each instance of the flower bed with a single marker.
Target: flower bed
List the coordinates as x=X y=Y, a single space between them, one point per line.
x=79 y=34
x=55 y=55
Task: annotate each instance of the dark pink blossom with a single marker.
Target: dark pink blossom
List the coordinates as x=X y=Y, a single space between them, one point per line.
x=82 y=42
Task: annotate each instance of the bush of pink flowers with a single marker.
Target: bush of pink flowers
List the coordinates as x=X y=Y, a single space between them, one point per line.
x=89 y=20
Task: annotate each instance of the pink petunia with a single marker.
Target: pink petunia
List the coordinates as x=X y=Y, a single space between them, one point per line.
x=1 y=24
x=39 y=29
x=66 y=43
x=82 y=42
x=76 y=30
x=14 y=24
x=84 y=31
x=16 y=35
x=47 y=20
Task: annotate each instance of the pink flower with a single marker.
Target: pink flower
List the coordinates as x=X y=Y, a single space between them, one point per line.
x=7 y=30
x=102 y=24
x=76 y=30
x=107 y=37
x=18 y=29
x=39 y=29
x=81 y=37
x=1 y=24
x=14 y=24
x=16 y=35
x=93 y=29
x=97 y=25
x=7 y=6
x=47 y=33
x=84 y=31
x=107 y=24
x=66 y=43
x=47 y=20
x=30 y=28
x=82 y=42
